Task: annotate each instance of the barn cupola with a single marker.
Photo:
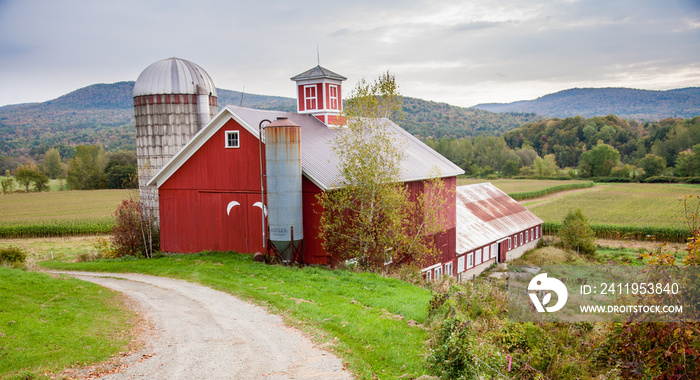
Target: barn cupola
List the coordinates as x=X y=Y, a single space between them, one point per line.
x=319 y=94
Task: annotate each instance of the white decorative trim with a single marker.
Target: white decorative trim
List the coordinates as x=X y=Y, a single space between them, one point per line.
x=226 y=140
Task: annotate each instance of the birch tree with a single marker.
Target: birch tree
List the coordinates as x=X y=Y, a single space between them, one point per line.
x=368 y=217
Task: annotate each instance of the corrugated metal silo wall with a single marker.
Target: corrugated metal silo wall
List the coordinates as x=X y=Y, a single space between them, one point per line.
x=284 y=195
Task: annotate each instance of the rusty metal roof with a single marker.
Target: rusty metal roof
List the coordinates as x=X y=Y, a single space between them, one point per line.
x=486 y=215
x=319 y=162
x=318 y=72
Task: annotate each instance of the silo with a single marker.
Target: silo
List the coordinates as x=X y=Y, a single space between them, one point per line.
x=284 y=197
x=173 y=99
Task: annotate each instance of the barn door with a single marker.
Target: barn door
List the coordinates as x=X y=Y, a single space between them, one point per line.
x=502 y=246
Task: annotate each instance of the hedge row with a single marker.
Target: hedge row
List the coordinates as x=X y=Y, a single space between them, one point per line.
x=609 y=231
x=57 y=228
x=549 y=190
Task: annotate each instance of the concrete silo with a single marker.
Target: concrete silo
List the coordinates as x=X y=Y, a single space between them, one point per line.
x=173 y=99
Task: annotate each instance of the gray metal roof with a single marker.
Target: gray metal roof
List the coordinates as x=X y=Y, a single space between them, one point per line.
x=320 y=164
x=485 y=215
x=318 y=72
x=173 y=76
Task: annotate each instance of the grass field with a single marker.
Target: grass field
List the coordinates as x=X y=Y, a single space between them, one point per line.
x=629 y=204
x=48 y=324
x=518 y=185
x=369 y=320
x=60 y=248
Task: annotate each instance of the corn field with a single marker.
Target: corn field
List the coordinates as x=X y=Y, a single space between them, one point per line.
x=549 y=190
x=609 y=231
x=57 y=228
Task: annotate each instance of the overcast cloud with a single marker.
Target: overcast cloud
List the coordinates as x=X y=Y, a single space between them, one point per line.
x=459 y=52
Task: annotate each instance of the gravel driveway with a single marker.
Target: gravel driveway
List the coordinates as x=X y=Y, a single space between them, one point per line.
x=201 y=333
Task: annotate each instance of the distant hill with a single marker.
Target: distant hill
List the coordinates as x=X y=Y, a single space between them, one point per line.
x=624 y=102
x=103 y=114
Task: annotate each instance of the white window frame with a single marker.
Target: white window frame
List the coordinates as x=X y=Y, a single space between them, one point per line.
x=448 y=269
x=510 y=240
x=470 y=260
x=477 y=257
x=537 y=232
x=521 y=239
x=428 y=275
x=308 y=97
x=438 y=272
x=494 y=248
x=487 y=253
x=238 y=139
x=333 y=101
x=460 y=264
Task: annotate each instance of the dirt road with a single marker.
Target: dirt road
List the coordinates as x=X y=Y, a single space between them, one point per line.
x=201 y=333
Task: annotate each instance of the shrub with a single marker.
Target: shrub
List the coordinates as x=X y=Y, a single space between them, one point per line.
x=12 y=256
x=575 y=233
x=133 y=234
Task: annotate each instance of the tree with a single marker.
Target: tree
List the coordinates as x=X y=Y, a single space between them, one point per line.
x=367 y=217
x=545 y=167
x=575 y=233
x=29 y=174
x=120 y=172
x=52 y=163
x=653 y=165
x=599 y=161
x=86 y=168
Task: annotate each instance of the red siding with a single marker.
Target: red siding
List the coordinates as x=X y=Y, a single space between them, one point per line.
x=301 y=98
x=194 y=200
x=314 y=253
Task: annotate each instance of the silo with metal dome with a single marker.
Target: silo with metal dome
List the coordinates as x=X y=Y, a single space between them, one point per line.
x=173 y=99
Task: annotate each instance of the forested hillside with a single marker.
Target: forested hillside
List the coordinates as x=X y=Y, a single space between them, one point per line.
x=102 y=114
x=626 y=103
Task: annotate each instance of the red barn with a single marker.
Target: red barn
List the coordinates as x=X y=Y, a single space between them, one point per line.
x=210 y=192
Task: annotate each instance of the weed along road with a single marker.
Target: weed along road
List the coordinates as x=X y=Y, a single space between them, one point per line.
x=201 y=333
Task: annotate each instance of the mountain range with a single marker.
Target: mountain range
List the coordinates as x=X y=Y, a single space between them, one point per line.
x=626 y=103
x=103 y=114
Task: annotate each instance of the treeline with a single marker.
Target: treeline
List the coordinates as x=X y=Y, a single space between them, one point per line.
x=597 y=147
x=85 y=167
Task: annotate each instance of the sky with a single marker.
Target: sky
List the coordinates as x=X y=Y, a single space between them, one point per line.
x=460 y=52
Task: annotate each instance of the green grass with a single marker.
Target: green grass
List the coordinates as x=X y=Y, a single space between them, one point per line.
x=365 y=316
x=518 y=185
x=625 y=204
x=48 y=324
x=64 y=248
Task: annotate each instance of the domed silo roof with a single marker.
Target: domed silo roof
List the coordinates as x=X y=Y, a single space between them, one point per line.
x=173 y=76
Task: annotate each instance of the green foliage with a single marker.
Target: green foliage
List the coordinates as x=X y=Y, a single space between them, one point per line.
x=575 y=233
x=12 y=256
x=52 y=163
x=599 y=161
x=8 y=185
x=57 y=228
x=545 y=167
x=368 y=218
x=653 y=165
x=133 y=234
x=120 y=172
x=86 y=168
x=28 y=175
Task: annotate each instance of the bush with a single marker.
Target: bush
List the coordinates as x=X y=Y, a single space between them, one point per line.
x=575 y=233
x=662 y=179
x=12 y=256
x=133 y=234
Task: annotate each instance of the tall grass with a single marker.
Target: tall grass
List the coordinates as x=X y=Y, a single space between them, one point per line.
x=610 y=231
x=57 y=228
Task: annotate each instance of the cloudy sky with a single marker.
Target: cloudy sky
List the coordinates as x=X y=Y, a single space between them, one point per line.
x=456 y=51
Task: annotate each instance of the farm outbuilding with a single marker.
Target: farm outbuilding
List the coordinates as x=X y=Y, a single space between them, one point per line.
x=491 y=228
x=233 y=185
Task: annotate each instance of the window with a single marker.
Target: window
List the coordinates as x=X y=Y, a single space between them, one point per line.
x=521 y=239
x=486 y=253
x=448 y=269
x=477 y=257
x=310 y=96
x=509 y=243
x=515 y=243
x=493 y=250
x=438 y=272
x=232 y=140
x=460 y=264
x=470 y=260
x=427 y=274
x=333 y=97
x=537 y=232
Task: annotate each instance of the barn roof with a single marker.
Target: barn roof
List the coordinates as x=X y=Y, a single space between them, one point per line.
x=319 y=162
x=318 y=72
x=486 y=215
